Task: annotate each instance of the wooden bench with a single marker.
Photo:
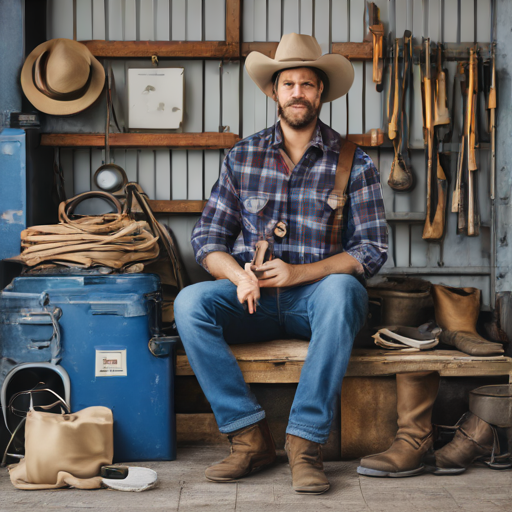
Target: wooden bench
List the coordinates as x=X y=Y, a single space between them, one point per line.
x=368 y=401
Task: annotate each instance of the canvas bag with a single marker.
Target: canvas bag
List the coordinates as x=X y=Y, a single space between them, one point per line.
x=65 y=449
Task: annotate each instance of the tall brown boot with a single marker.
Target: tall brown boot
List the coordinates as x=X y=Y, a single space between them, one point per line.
x=252 y=448
x=416 y=393
x=307 y=466
x=457 y=312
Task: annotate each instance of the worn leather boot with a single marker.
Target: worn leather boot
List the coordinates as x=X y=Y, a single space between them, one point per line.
x=457 y=312
x=474 y=438
x=307 y=466
x=416 y=393
x=252 y=448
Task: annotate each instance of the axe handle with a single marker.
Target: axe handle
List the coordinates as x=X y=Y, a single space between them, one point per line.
x=442 y=114
x=473 y=224
x=393 y=124
x=492 y=123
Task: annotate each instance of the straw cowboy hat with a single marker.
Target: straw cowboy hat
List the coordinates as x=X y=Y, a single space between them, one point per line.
x=297 y=51
x=62 y=77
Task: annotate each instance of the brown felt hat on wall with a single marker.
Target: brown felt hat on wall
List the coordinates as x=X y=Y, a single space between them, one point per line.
x=298 y=51
x=62 y=77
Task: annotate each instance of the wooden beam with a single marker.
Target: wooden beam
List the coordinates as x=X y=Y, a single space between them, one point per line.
x=206 y=140
x=268 y=49
x=176 y=49
x=233 y=31
x=166 y=206
x=354 y=51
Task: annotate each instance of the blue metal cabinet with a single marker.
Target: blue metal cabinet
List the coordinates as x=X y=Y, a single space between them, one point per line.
x=106 y=323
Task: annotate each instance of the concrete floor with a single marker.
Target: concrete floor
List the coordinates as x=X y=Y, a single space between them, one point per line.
x=182 y=487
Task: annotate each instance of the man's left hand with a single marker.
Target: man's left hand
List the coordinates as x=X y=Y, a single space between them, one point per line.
x=277 y=273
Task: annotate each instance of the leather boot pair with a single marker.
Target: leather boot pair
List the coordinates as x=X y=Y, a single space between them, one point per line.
x=252 y=448
x=474 y=439
x=307 y=466
x=457 y=311
x=416 y=393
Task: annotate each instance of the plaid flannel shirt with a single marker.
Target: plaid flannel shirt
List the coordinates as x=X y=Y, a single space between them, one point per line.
x=256 y=189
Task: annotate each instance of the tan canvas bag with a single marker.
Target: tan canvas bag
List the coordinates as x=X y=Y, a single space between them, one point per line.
x=65 y=449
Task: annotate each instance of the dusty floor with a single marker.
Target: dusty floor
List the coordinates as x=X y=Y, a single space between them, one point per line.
x=182 y=487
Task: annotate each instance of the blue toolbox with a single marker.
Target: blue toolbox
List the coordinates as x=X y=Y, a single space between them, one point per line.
x=111 y=347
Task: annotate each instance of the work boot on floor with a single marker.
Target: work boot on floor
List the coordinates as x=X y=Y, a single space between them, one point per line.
x=306 y=464
x=252 y=448
x=457 y=311
x=416 y=393
x=474 y=439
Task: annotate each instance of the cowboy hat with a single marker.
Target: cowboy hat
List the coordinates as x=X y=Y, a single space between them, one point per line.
x=62 y=77
x=298 y=51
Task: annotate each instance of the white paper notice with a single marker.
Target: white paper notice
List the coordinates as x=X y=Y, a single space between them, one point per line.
x=155 y=98
x=111 y=363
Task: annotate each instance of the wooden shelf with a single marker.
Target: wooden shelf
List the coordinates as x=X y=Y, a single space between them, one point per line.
x=176 y=49
x=176 y=206
x=206 y=140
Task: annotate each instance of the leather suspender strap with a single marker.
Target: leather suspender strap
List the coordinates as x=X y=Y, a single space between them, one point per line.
x=344 y=167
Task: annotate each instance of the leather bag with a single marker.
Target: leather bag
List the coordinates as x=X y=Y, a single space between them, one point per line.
x=65 y=449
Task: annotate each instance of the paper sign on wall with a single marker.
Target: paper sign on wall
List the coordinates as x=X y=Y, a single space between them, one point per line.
x=155 y=98
x=111 y=363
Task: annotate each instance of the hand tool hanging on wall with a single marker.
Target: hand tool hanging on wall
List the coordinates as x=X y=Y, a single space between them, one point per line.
x=393 y=123
x=389 y=80
x=491 y=105
x=473 y=222
x=459 y=196
x=376 y=35
x=401 y=177
x=436 y=186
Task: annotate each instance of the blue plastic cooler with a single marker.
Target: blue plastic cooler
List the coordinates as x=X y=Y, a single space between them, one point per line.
x=106 y=325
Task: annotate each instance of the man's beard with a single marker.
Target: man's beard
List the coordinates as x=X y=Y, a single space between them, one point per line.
x=307 y=117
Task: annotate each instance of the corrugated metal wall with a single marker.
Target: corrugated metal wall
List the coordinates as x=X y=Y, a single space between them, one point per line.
x=215 y=91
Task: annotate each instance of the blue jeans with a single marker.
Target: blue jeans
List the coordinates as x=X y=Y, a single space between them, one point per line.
x=329 y=312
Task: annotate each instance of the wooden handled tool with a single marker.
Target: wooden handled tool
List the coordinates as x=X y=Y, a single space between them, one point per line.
x=473 y=224
x=442 y=114
x=393 y=124
x=401 y=177
x=436 y=190
x=492 y=123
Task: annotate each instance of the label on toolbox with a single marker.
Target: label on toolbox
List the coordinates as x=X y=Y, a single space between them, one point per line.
x=111 y=363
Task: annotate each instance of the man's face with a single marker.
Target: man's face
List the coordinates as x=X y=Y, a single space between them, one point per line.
x=298 y=97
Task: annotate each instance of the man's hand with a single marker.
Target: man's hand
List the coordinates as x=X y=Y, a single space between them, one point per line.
x=248 y=289
x=277 y=273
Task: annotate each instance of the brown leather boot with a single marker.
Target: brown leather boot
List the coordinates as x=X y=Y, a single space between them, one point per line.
x=307 y=467
x=474 y=438
x=457 y=312
x=416 y=393
x=252 y=448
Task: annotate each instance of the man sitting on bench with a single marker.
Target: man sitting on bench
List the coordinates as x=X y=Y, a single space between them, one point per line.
x=314 y=202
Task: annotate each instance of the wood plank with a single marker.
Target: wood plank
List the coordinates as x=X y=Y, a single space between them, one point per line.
x=281 y=361
x=181 y=49
x=233 y=14
x=198 y=429
x=177 y=206
x=352 y=51
x=205 y=140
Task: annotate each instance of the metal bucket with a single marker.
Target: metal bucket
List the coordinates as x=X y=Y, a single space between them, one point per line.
x=493 y=404
x=408 y=308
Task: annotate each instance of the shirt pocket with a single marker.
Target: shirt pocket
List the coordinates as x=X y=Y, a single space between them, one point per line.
x=253 y=215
